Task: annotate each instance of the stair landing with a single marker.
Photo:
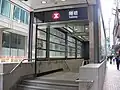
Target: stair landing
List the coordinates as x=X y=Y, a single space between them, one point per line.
x=68 y=76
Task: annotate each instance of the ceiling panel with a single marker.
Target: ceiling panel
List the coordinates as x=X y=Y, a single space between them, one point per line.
x=36 y=4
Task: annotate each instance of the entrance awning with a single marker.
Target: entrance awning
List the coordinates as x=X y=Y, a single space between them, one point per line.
x=47 y=4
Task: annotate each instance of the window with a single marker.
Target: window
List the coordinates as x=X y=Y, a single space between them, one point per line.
x=22 y=16
x=16 y=13
x=13 y=44
x=5 y=8
x=6 y=44
x=6 y=39
x=26 y=17
x=0 y=5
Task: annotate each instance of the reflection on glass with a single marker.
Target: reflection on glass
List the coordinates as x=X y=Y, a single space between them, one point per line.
x=5 y=8
x=13 y=44
x=41 y=53
x=41 y=35
x=57 y=47
x=16 y=13
x=54 y=54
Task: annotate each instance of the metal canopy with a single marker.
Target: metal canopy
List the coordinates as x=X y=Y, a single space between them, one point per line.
x=38 y=5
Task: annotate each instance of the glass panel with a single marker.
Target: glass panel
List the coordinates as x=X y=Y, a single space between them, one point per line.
x=78 y=50
x=57 y=47
x=21 y=52
x=21 y=42
x=0 y=5
x=78 y=55
x=57 y=40
x=27 y=17
x=41 y=44
x=71 y=44
x=71 y=55
x=41 y=53
x=13 y=52
x=5 y=9
x=41 y=35
x=79 y=44
x=6 y=39
x=71 y=39
x=13 y=44
x=5 y=51
x=16 y=13
x=54 y=54
x=57 y=33
x=102 y=42
x=14 y=40
x=70 y=49
x=22 y=16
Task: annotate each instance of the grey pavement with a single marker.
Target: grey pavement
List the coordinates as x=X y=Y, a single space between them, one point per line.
x=112 y=78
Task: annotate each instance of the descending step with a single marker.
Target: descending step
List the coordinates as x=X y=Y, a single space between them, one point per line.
x=48 y=84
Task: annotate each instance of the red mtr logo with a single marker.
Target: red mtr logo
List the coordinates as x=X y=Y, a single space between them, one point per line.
x=56 y=15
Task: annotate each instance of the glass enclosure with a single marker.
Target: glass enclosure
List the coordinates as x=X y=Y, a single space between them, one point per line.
x=61 y=44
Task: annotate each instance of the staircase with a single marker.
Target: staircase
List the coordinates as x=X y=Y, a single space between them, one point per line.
x=47 y=84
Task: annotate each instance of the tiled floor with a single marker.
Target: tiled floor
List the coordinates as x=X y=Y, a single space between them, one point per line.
x=112 y=79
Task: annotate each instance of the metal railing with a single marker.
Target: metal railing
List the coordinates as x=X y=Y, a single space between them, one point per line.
x=66 y=64
x=83 y=62
x=14 y=68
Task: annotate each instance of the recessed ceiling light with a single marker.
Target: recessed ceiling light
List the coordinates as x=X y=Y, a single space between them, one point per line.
x=63 y=0
x=43 y=2
x=86 y=28
x=76 y=29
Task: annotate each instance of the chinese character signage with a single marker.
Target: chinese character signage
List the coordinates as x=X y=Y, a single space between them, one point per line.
x=73 y=14
x=80 y=13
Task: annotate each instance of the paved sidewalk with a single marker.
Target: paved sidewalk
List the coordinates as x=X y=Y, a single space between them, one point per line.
x=112 y=79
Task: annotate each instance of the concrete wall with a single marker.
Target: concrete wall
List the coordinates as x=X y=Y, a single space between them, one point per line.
x=10 y=79
x=95 y=72
x=28 y=68
x=14 y=26
x=72 y=65
x=1 y=77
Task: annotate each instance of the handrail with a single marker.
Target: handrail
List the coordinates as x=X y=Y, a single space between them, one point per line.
x=84 y=81
x=66 y=64
x=13 y=69
x=84 y=62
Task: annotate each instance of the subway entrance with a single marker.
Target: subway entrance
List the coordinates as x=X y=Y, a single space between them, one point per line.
x=61 y=35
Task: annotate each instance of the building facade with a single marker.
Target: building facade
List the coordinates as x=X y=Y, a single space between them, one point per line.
x=14 y=27
x=116 y=29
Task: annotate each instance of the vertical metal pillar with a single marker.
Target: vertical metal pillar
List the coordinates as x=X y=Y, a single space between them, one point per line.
x=75 y=48
x=96 y=35
x=66 y=46
x=1 y=34
x=36 y=53
x=93 y=33
x=48 y=42
x=30 y=35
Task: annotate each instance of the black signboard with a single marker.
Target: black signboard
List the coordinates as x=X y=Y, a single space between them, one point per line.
x=80 y=13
